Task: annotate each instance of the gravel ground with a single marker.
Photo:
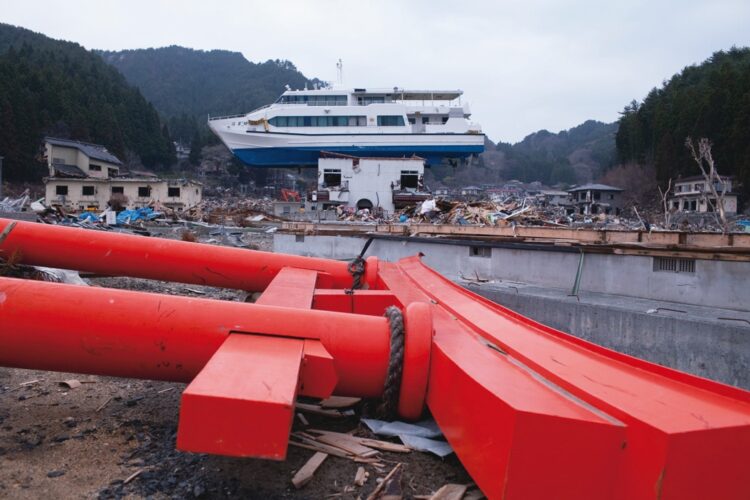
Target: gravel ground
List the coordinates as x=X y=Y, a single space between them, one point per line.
x=115 y=438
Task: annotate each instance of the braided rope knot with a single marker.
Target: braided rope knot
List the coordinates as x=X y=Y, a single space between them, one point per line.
x=357 y=269
x=388 y=407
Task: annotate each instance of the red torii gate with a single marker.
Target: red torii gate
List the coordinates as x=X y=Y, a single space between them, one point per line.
x=531 y=412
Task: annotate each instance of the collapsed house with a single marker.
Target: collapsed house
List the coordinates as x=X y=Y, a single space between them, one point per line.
x=592 y=199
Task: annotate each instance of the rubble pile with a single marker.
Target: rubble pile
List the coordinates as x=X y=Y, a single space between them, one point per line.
x=15 y=204
x=234 y=211
x=487 y=213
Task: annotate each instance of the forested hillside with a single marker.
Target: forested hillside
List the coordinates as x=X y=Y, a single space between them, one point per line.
x=187 y=85
x=51 y=87
x=709 y=100
x=578 y=155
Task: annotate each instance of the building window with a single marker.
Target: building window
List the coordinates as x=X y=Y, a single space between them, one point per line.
x=485 y=252
x=390 y=121
x=112 y=172
x=299 y=238
x=118 y=190
x=144 y=191
x=61 y=190
x=87 y=190
x=173 y=192
x=58 y=161
x=95 y=168
x=331 y=177
x=674 y=265
x=597 y=195
x=409 y=179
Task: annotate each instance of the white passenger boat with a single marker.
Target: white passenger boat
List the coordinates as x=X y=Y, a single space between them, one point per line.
x=293 y=131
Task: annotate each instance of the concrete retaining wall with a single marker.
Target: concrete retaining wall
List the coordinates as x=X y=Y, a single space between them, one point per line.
x=707 y=348
x=714 y=283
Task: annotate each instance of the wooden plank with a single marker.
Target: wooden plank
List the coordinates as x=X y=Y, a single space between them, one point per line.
x=376 y=492
x=370 y=443
x=450 y=492
x=339 y=402
x=315 y=446
x=305 y=474
x=317 y=410
x=385 y=445
x=346 y=443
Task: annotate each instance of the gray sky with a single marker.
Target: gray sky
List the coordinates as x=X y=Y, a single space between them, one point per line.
x=524 y=65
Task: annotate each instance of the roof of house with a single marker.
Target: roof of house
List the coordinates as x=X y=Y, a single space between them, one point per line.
x=62 y=170
x=594 y=187
x=95 y=151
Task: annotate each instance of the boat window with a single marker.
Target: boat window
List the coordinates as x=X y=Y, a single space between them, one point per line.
x=315 y=100
x=319 y=121
x=371 y=100
x=390 y=121
x=331 y=177
x=425 y=119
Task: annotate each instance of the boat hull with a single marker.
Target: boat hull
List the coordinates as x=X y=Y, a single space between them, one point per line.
x=277 y=149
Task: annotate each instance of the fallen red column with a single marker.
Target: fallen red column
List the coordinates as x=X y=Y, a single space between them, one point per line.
x=531 y=412
x=161 y=259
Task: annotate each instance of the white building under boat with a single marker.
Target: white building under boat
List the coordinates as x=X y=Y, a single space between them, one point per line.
x=372 y=183
x=293 y=131
x=84 y=176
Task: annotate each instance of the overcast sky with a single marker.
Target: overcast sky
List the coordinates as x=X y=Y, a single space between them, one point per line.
x=524 y=65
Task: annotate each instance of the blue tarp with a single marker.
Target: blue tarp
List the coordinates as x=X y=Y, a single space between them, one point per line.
x=89 y=216
x=130 y=216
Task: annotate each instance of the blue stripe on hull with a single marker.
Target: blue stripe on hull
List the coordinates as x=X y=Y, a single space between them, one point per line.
x=304 y=156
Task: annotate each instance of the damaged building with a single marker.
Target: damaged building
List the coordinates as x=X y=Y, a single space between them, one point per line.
x=591 y=199
x=372 y=183
x=693 y=194
x=84 y=176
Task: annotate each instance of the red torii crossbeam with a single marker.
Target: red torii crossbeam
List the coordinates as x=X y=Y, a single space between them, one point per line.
x=531 y=412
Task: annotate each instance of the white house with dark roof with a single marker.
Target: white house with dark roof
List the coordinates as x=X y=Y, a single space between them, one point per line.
x=84 y=176
x=76 y=159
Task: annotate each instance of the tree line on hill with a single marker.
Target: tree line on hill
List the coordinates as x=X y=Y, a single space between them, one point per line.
x=51 y=87
x=710 y=100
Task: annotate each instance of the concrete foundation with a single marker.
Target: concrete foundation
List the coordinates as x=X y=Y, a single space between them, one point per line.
x=695 y=319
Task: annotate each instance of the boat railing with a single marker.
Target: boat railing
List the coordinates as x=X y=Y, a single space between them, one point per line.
x=212 y=118
x=242 y=115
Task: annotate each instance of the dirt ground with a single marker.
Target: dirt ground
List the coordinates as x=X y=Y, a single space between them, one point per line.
x=115 y=438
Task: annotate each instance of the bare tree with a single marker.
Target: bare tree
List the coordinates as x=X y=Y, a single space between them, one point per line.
x=712 y=177
x=665 y=203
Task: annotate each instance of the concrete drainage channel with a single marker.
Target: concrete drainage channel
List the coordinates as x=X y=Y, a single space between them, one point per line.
x=688 y=314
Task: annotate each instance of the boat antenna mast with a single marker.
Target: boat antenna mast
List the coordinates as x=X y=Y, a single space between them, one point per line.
x=340 y=72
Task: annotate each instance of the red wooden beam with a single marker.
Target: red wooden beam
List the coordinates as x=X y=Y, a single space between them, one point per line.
x=242 y=402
